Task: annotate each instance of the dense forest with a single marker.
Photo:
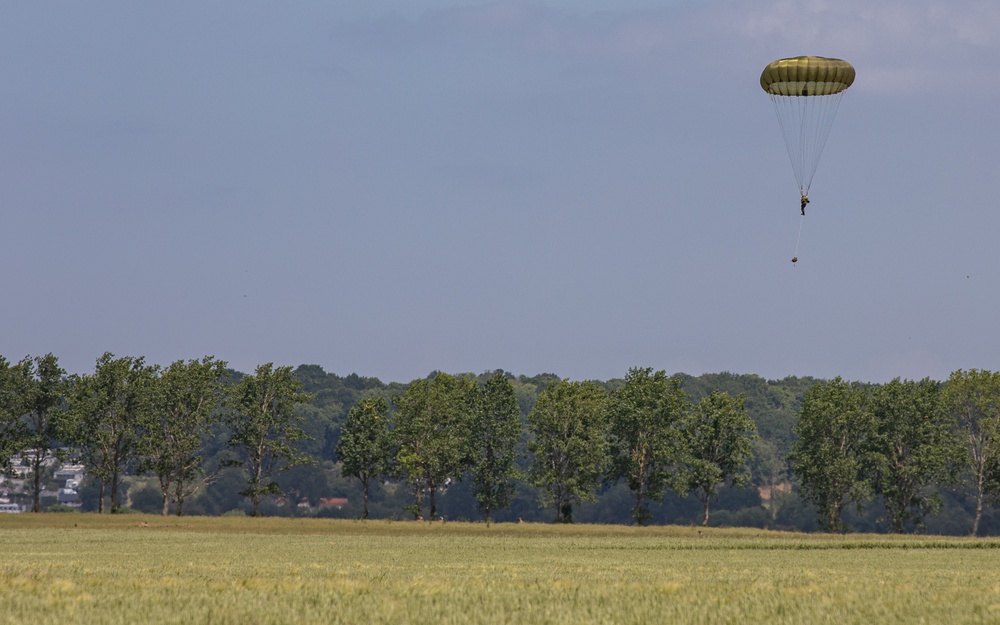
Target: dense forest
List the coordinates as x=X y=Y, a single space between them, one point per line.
x=198 y=438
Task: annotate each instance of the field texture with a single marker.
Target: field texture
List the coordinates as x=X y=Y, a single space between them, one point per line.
x=81 y=569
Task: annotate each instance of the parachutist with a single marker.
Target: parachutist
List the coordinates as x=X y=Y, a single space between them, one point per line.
x=805 y=91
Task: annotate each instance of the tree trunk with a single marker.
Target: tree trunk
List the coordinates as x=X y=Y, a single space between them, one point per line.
x=179 y=496
x=364 y=482
x=165 y=493
x=258 y=477
x=115 y=506
x=116 y=463
x=565 y=512
x=431 y=489
x=832 y=510
x=898 y=523
x=100 y=495
x=564 y=506
x=37 y=466
x=417 y=501
x=637 y=511
x=979 y=505
x=704 y=521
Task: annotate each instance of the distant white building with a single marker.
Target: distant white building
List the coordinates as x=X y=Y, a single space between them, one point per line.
x=68 y=497
x=69 y=472
x=11 y=508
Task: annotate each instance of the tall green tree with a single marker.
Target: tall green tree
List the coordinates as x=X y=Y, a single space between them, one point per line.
x=43 y=385
x=13 y=431
x=834 y=431
x=720 y=438
x=432 y=431
x=914 y=449
x=570 y=444
x=972 y=399
x=107 y=412
x=647 y=447
x=365 y=445
x=186 y=405
x=494 y=431
x=264 y=428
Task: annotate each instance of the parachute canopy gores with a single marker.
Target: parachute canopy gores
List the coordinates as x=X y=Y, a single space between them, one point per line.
x=807 y=76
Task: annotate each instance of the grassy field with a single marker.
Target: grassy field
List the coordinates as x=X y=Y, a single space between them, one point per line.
x=81 y=569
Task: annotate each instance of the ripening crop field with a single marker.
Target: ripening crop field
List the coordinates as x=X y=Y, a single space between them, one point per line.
x=84 y=568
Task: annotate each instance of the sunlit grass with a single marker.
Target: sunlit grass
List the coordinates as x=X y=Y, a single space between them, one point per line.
x=77 y=568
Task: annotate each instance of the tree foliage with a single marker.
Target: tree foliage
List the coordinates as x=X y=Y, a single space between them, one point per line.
x=647 y=414
x=834 y=433
x=774 y=406
x=107 y=412
x=913 y=449
x=432 y=429
x=332 y=397
x=719 y=438
x=570 y=444
x=494 y=430
x=365 y=446
x=187 y=402
x=972 y=399
x=43 y=385
x=13 y=432
x=264 y=427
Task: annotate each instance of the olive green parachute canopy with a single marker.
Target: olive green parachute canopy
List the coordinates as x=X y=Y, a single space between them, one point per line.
x=805 y=121
x=807 y=76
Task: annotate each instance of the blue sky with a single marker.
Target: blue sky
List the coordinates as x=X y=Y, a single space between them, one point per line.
x=572 y=187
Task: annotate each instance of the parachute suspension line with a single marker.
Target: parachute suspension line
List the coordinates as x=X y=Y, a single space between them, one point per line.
x=819 y=129
x=805 y=123
x=789 y=120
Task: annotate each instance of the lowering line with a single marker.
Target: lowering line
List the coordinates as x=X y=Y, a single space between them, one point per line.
x=798 y=238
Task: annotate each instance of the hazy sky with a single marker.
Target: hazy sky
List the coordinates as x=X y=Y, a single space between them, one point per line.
x=563 y=186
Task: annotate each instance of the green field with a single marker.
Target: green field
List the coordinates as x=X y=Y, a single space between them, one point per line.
x=81 y=568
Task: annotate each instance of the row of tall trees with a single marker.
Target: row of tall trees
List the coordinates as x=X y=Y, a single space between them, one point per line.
x=32 y=398
x=868 y=456
x=900 y=442
x=129 y=416
x=645 y=432
x=443 y=428
x=132 y=417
